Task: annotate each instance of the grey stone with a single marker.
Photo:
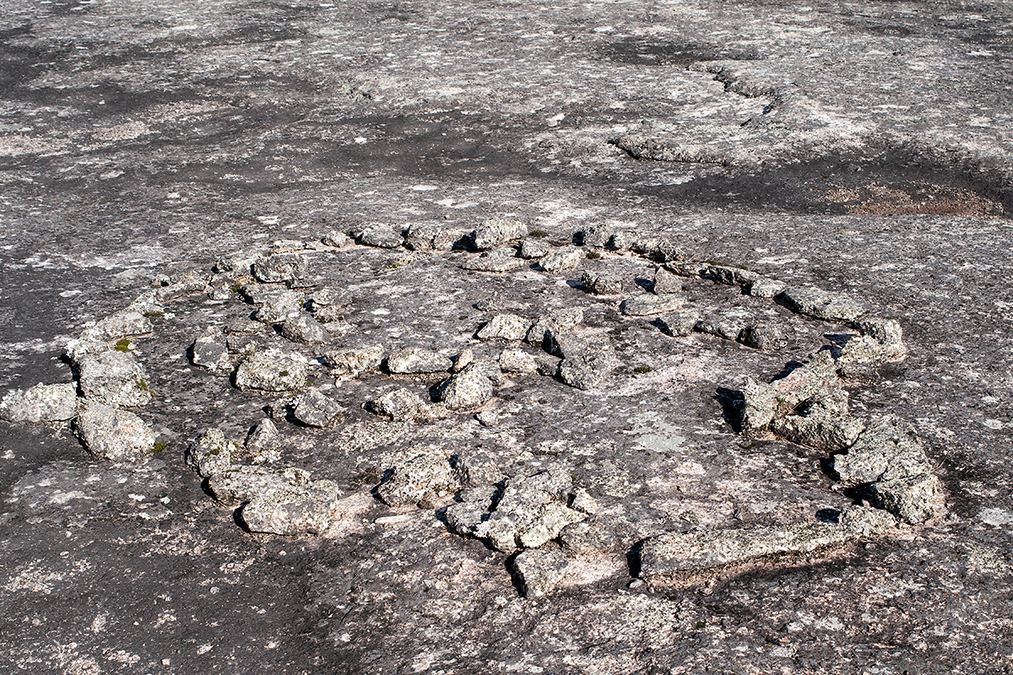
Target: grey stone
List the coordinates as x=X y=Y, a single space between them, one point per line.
x=336 y=239
x=548 y=365
x=881 y=340
x=209 y=352
x=767 y=288
x=212 y=453
x=422 y=478
x=355 y=361
x=680 y=323
x=41 y=403
x=402 y=405
x=496 y=231
x=597 y=235
x=532 y=249
x=469 y=515
x=241 y=484
x=237 y=263
x=276 y=304
x=602 y=283
x=810 y=382
x=272 y=370
x=517 y=361
x=561 y=258
x=129 y=321
x=648 y=304
x=477 y=469
x=531 y=511
x=316 y=410
x=294 y=510
x=461 y=360
x=659 y=249
x=667 y=557
x=588 y=538
x=113 y=434
x=727 y=325
x=581 y=500
x=280 y=268
x=381 y=235
x=114 y=378
x=822 y=304
x=885 y=451
x=623 y=240
x=305 y=329
x=765 y=336
x=821 y=422
x=505 y=327
x=913 y=499
x=421 y=236
x=264 y=442
x=413 y=360
x=492 y=263
x=665 y=283
x=586 y=362
x=469 y=388
x=559 y=321
x=539 y=572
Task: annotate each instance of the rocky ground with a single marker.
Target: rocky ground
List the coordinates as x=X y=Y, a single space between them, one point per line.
x=647 y=337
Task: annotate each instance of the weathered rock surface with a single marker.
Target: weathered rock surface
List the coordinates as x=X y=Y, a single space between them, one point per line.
x=114 y=378
x=561 y=258
x=649 y=305
x=272 y=370
x=240 y=484
x=419 y=480
x=538 y=572
x=416 y=360
x=602 y=283
x=493 y=262
x=41 y=403
x=679 y=323
x=276 y=304
x=114 y=434
x=505 y=327
x=586 y=362
x=765 y=336
x=497 y=231
x=263 y=442
x=517 y=361
x=403 y=405
x=314 y=409
x=666 y=558
x=533 y=249
x=469 y=388
x=559 y=321
x=822 y=304
x=280 y=268
x=212 y=453
x=354 y=361
x=305 y=329
x=210 y=353
x=293 y=510
x=381 y=235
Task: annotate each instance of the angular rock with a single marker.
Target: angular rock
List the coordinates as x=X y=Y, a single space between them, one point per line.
x=421 y=237
x=531 y=511
x=881 y=340
x=659 y=249
x=211 y=453
x=264 y=442
x=210 y=353
x=422 y=478
x=767 y=288
x=505 y=327
x=560 y=321
x=469 y=515
x=402 y=405
x=517 y=361
x=561 y=258
x=113 y=434
x=354 y=361
x=415 y=360
x=492 y=263
x=294 y=510
x=41 y=403
x=727 y=325
x=763 y=402
x=129 y=321
x=913 y=499
x=305 y=329
x=470 y=388
x=272 y=370
x=586 y=363
x=821 y=304
x=649 y=304
x=602 y=283
x=539 y=572
x=532 y=249
x=665 y=283
x=241 y=484
x=822 y=422
x=680 y=323
x=666 y=558
x=280 y=268
x=114 y=378
x=764 y=336
x=276 y=304
x=497 y=231
x=623 y=240
x=237 y=263
x=381 y=235
x=588 y=538
x=316 y=410
x=336 y=239
x=597 y=235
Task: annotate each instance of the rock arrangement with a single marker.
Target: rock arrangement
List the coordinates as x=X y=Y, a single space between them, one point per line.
x=542 y=518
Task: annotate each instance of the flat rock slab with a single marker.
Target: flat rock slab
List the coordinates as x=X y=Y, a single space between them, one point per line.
x=114 y=434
